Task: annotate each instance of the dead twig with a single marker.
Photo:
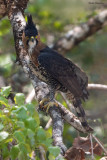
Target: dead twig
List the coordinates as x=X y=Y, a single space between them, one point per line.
x=100 y=144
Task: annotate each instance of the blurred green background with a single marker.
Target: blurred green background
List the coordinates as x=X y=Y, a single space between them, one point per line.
x=54 y=18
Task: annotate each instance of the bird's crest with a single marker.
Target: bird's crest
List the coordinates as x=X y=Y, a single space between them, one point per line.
x=30 y=28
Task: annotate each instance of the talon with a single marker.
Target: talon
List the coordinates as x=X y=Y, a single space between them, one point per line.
x=42 y=102
x=50 y=104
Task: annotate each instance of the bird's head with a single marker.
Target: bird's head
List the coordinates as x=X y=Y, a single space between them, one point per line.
x=31 y=33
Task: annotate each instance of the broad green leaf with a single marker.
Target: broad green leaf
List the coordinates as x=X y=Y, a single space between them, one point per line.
x=31 y=123
x=24 y=148
x=14 y=152
x=19 y=99
x=41 y=135
x=31 y=135
x=3 y=135
x=47 y=142
x=5 y=151
x=4 y=101
x=22 y=113
x=54 y=150
x=31 y=109
x=22 y=156
x=19 y=136
x=20 y=124
x=51 y=157
x=6 y=91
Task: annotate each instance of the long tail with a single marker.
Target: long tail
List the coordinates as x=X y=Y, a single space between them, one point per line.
x=81 y=114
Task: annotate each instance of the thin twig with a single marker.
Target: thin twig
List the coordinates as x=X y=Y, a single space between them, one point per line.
x=92 y=153
x=49 y=123
x=42 y=153
x=30 y=96
x=70 y=106
x=105 y=151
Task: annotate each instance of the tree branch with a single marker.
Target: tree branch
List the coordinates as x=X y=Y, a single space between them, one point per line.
x=81 y=32
x=18 y=23
x=97 y=86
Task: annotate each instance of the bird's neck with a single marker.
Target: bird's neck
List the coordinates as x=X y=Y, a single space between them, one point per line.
x=31 y=47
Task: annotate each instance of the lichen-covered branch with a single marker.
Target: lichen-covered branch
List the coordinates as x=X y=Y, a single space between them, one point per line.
x=81 y=32
x=15 y=14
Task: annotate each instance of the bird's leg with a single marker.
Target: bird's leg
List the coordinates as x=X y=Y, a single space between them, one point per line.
x=48 y=101
x=51 y=101
x=44 y=101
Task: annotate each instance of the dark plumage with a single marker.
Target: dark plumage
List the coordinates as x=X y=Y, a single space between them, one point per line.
x=58 y=72
x=30 y=29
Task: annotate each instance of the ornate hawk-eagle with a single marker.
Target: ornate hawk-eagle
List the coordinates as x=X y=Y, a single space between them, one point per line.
x=58 y=72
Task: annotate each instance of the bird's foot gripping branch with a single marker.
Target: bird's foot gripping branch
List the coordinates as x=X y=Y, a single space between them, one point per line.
x=45 y=105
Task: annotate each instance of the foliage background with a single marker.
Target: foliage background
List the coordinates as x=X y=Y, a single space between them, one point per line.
x=54 y=18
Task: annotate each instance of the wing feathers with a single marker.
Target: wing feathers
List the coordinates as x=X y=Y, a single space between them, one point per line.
x=68 y=74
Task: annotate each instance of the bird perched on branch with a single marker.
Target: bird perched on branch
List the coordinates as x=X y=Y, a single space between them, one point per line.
x=58 y=72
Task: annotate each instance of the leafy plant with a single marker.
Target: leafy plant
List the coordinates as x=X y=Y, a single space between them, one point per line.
x=20 y=130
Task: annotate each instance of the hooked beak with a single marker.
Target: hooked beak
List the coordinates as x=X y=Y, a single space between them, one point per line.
x=32 y=39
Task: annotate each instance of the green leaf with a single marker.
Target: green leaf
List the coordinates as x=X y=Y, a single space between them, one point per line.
x=19 y=136
x=20 y=124
x=19 y=99
x=24 y=148
x=22 y=113
x=5 y=151
x=31 y=123
x=31 y=135
x=1 y=126
x=41 y=135
x=47 y=142
x=51 y=157
x=31 y=109
x=6 y=91
x=22 y=156
x=4 y=101
x=14 y=152
x=3 y=135
x=4 y=27
x=54 y=150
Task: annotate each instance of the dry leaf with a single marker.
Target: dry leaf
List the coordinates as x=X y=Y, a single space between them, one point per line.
x=82 y=142
x=74 y=154
x=85 y=144
x=97 y=149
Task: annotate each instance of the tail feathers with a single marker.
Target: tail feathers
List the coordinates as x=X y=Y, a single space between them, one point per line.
x=81 y=115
